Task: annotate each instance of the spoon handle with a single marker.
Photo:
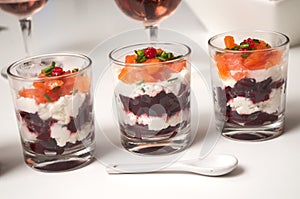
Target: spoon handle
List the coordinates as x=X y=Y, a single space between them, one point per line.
x=140 y=168
x=158 y=167
x=211 y=166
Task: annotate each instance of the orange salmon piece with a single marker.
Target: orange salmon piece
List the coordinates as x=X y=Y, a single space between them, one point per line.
x=223 y=69
x=177 y=66
x=130 y=59
x=276 y=58
x=240 y=75
x=230 y=62
x=83 y=83
x=153 y=68
x=37 y=94
x=256 y=60
x=132 y=75
x=124 y=73
x=152 y=60
x=48 y=84
x=39 y=85
x=263 y=60
x=229 y=42
x=261 y=45
x=68 y=86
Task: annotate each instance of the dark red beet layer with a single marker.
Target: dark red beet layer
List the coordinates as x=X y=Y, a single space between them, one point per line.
x=162 y=103
x=248 y=88
x=169 y=103
x=142 y=131
x=41 y=127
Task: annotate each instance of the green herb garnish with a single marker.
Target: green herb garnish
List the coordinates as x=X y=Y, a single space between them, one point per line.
x=140 y=83
x=256 y=41
x=143 y=90
x=74 y=92
x=164 y=56
x=47 y=97
x=244 y=45
x=235 y=48
x=139 y=52
x=161 y=58
x=141 y=57
x=55 y=89
x=172 y=79
x=244 y=55
x=75 y=70
x=48 y=69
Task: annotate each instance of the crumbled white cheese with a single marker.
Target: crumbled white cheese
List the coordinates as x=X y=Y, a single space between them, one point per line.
x=61 y=110
x=245 y=106
x=155 y=123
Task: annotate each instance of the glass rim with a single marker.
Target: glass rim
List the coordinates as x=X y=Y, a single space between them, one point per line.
x=284 y=43
x=26 y=59
x=119 y=62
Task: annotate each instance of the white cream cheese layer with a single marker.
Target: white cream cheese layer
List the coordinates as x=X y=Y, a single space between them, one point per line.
x=62 y=135
x=61 y=110
x=274 y=72
x=155 y=123
x=245 y=106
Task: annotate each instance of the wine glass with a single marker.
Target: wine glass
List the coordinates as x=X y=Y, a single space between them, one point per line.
x=23 y=9
x=151 y=12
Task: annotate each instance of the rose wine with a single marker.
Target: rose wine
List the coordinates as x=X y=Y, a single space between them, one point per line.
x=22 y=8
x=149 y=11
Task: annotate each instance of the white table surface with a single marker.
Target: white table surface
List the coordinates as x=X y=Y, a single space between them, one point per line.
x=267 y=169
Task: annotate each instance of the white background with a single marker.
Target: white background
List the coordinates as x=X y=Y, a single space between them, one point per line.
x=267 y=169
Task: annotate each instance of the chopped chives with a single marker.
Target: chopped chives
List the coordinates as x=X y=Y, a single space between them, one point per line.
x=256 y=41
x=48 y=69
x=74 y=92
x=244 y=45
x=55 y=88
x=244 y=55
x=47 y=97
x=140 y=83
x=161 y=58
x=172 y=79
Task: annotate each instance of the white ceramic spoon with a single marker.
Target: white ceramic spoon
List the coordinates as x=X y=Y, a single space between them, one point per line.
x=214 y=165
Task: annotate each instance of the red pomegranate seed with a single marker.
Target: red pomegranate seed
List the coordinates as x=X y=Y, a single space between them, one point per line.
x=250 y=42
x=57 y=71
x=150 y=52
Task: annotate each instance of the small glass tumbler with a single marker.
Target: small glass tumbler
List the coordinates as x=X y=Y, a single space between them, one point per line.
x=249 y=77
x=152 y=95
x=53 y=100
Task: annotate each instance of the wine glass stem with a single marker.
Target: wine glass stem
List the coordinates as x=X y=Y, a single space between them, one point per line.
x=26 y=31
x=153 y=32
